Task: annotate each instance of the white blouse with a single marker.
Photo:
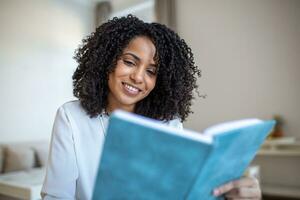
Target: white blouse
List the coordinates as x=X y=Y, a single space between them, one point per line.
x=74 y=154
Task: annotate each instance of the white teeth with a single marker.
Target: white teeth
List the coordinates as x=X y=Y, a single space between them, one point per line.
x=130 y=88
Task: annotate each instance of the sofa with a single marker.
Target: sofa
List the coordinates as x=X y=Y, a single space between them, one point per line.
x=22 y=169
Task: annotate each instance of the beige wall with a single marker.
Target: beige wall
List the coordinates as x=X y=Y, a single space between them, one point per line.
x=249 y=53
x=38 y=39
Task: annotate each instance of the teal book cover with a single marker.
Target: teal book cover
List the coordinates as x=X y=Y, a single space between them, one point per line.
x=146 y=159
x=232 y=153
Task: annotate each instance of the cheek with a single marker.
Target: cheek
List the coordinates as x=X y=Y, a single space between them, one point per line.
x=122 y=68
x=151 y=84
x=113 y=76
x=111 y=80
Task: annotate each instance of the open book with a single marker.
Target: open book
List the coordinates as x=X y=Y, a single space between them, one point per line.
x=145 y=159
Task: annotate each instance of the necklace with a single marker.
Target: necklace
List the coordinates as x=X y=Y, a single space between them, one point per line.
x=102 y=124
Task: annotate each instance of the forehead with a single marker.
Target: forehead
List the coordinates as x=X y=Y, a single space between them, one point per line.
x=142 y=47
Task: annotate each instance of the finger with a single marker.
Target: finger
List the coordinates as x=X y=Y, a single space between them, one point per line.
x=249 y=193
x=242 y=198
x=232 y=193
x=246 y=182
x=224 y=189
x=240 y=183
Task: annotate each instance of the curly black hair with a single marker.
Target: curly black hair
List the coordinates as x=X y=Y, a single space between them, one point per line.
x=100 y=51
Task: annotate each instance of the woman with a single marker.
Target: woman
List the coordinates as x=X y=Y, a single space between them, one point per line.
x=131 y=65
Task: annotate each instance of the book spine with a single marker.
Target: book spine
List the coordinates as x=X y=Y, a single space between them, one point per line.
x=200 y=188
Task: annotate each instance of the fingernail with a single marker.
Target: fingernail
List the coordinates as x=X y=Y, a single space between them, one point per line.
x=216 y=192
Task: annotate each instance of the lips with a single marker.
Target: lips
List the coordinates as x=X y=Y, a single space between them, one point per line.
x=130 y=89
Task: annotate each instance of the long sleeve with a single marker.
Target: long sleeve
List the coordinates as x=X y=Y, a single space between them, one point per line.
x=176 y=123
x=62 y=170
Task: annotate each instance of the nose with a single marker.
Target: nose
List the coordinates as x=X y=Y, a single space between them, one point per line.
x=137 y=75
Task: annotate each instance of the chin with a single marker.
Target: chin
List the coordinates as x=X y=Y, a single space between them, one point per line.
x=129 y=101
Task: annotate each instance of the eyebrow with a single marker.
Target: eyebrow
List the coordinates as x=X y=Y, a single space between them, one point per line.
x=137 y=58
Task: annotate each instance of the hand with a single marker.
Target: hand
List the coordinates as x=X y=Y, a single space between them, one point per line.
x=244 y=188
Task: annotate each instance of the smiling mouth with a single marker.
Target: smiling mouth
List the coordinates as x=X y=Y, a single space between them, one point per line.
x=131 y=89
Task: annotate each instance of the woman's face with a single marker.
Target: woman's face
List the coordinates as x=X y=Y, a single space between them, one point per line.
x=134 y=76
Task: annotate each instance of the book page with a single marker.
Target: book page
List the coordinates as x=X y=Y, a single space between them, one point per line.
x=227 y=126
x=155 y=124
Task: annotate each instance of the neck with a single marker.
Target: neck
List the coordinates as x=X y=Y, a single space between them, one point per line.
x=114 y=105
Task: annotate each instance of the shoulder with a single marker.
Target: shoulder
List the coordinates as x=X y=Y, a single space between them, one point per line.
x=73 y=111
x=72 y=108
x=176 y=123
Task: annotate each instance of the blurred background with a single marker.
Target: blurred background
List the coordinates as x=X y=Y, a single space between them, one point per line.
x=248 y=51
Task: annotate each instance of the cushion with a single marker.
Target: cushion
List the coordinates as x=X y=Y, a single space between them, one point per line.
x=22 y=184
x=18 y=157
x=41 y=152
x=1 y=159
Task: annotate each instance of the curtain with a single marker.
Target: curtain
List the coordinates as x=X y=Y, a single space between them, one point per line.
x=166 y=12
x=103 y=12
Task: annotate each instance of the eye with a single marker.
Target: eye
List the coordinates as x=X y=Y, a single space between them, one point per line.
x=151 y=71
x=129 y=63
